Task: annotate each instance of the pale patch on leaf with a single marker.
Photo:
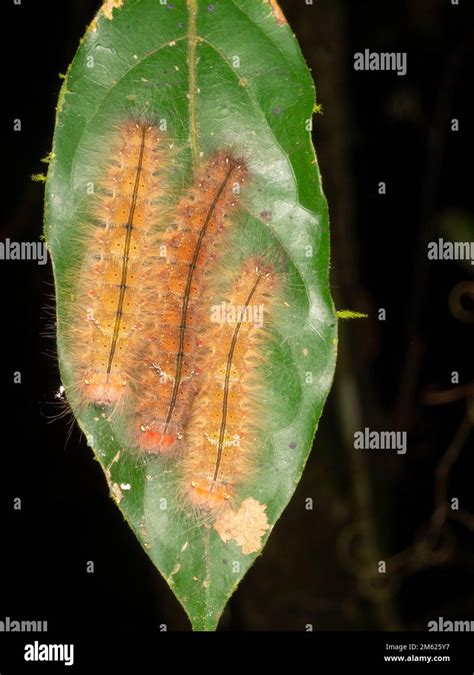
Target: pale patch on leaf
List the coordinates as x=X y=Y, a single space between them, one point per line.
x=116 y=492
x=246 y=526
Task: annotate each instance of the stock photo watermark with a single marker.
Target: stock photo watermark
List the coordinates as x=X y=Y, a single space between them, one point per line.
x=8 y=625
x=391 y=61
x=228 y=313
x=451 y=250
x=381 y=440
x=24 y=250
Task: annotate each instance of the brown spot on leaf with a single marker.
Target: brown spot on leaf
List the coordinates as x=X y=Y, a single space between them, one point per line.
x=246 y=526
x=116 y=492
x=114 y=487
x=176 y=569
x=277 y=12
x=143 y=528
x=109 y=6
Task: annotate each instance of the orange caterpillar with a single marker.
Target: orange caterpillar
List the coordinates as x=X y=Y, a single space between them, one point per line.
x=222 y=436
x=113 y=291
x=166 y=379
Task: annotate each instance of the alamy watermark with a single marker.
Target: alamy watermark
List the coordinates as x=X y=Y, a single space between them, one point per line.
x=367 y=60
x=24 y=250
x=447 y=626
x=451 y=250
x=39 y=651
x=381 y=440
x=226 y=312
x=9 y=625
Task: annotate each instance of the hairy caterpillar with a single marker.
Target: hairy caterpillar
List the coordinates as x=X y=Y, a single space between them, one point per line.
x=166 y=368
x=111 y=301
x=221 y=439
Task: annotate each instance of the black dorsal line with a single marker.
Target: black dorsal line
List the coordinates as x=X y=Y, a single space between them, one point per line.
x=187 y=292
x=126 y=253
x=228 y=370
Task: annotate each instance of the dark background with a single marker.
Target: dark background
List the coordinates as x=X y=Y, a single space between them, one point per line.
x=320 y=566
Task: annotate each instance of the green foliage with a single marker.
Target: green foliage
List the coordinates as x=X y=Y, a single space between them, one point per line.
x=222 y=74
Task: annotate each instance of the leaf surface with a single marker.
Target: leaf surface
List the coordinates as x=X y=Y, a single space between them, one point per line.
x=222 y=74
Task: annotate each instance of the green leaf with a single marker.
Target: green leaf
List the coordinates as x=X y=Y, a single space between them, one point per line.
x=226 y=73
